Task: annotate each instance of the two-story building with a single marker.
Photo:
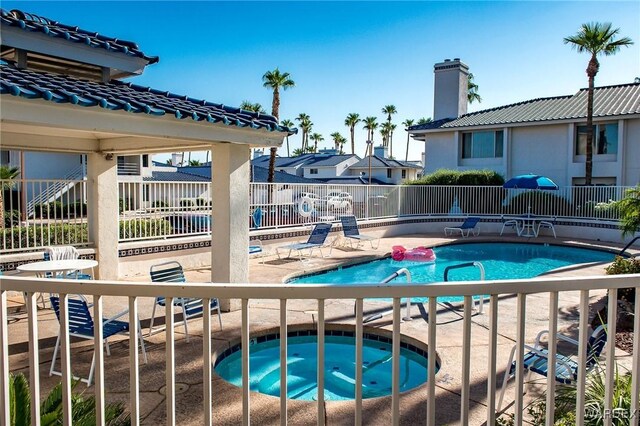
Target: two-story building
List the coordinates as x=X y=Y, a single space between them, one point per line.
x=545 y=136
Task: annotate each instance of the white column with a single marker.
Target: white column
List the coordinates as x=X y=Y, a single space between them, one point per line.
x=230 y=222
x=102 y=201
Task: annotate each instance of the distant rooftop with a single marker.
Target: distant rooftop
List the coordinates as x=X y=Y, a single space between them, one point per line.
x=609 y=101
x=306 y=160
x=380 y=162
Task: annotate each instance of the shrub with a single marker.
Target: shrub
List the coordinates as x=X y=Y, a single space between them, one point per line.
x=11 y=218
x=455 y=177
x=124 y=204
x=186 y=203
x=541 y=202
x=38 y=236
x=202 y=202
x=159 y=204
x=137 y=228
x=620 y=266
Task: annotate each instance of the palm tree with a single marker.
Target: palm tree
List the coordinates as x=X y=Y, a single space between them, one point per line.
x=248 y=106
x=351 y=121
x=7 y=177
x=472 y=91
x=337 y=137
x=389 y=110
x=297 y=152
x=596 y=39
x=407 y=123
x=276 y=80
x=305 y=124
x=316 y=137
x=385 y=129
x=370 y=125
x=341 y=143
x=392 y=128
x=194 y=163
x=424 y=120
x=288 y=124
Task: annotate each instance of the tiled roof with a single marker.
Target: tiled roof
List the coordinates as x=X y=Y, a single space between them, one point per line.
x=174 y=177
x=319 y=160
x=118 y=95
x=352 y=180
x=35 y=23
x=306 y=160
x=379 y=162
x=260 y=175
x=160 y=164
x=609 y=101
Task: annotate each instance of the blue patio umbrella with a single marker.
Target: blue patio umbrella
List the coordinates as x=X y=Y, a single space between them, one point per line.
x=530 y=181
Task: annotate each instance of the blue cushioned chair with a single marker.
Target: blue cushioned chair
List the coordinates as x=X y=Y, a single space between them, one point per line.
x=536 y=359
x=171 y=272
x=317 y=240
x=81 y=325
x=352 y=233
x=469 y=225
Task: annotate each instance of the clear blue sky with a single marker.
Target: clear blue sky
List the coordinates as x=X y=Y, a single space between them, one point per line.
x=359 y=56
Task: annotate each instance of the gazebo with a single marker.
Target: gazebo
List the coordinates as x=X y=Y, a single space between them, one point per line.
x=62 y=91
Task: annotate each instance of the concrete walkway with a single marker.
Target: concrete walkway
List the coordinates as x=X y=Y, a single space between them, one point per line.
x=264 y=316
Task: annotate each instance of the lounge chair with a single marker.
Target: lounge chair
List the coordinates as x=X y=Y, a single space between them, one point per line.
x=81 y=325
x=352 y=233
x=171 y=272
x=469 y=225
x=510 y=223
x=316 y=241
x=536 y=360
x=547 y=224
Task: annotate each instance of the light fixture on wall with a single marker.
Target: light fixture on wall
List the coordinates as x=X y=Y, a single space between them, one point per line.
x=108 y=157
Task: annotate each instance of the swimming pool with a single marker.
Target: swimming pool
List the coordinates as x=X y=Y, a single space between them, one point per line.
x=501 y=261
x=264 y=365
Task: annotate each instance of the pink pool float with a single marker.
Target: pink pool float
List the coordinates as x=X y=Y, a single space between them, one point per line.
x=418 y=254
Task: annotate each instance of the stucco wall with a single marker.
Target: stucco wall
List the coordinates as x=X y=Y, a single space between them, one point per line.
x=440 y=152
x=632 y=152
x=49 y=165
x=541 y=150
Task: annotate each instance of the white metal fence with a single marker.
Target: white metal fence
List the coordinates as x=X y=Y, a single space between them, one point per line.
x=321 y=294
x=158 y=210
x=40 y=212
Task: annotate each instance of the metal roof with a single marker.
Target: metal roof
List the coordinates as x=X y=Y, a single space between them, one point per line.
x=380 y=162
x=320 y=160
x=609 y=101
x=129 y=97
x=174 y=177
x=352 y=180
x=34 y=23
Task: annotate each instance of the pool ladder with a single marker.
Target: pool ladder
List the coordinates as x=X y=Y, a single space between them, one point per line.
x=468 y=265
x=396 y=274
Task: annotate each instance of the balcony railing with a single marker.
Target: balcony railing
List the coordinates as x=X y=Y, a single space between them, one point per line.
x=322 y=294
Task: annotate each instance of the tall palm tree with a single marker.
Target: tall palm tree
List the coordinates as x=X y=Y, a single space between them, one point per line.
x=385 y=129
x=303 y=120
x=351 y=121
x=276 y=80
x=307 y=126
x=288 y=124
x=596 y=39
x=389 y=110
x=7 y=179
x=248 y=106
x=370 y=125
x=392 y=128
x=407 y=123
x=316 y=137
x=472 y=91
x=194 y=163
x=337 y=137
x=341 y=143
x=423 y=120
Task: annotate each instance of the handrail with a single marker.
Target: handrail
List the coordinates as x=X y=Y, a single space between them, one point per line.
x=628 y=245
x=467 y=265
x=391 y=277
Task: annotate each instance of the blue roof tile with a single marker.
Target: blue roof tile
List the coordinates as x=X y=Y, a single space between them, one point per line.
x=35 y=23
x=118 y=95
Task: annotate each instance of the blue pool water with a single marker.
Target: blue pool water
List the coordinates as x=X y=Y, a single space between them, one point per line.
x=500 y=260
x=264 y=365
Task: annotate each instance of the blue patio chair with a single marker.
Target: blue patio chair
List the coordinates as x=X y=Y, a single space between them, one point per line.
x=469 y=225
x=536 y=359
x=316 y=240
x=171 y=272
x=352 y=233
x=81 y=325
x=257 y=218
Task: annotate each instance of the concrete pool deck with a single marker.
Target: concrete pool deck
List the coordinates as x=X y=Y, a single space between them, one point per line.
x=264 y=316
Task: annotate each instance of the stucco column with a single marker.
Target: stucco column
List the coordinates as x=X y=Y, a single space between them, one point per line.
x=230 y=221
x=102 y=206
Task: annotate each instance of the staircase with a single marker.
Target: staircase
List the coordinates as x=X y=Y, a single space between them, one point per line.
x=56 y=189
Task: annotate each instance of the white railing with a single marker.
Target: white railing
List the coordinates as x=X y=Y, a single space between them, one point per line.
x=54 y=190
x=42 y=212
x=322 y=293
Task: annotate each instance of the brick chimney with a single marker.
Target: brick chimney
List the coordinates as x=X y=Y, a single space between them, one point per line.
x=450 y=89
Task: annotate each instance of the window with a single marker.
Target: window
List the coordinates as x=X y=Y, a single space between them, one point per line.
x=313 y=171
x=482 y=144
x=145 y=160
x=404 y=174
x=5 y=157
x=388 y=173
x=605 y=139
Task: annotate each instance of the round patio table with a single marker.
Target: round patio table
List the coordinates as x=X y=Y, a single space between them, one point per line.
x=56 y=266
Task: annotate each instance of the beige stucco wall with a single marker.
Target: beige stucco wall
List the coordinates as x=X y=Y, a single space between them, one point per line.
x=631 y=160
x=540 y=150
x=440 y=152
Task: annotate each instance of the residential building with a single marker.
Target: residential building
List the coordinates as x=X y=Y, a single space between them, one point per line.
x=384 y=169
x=324 y=164
x=545 y=136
